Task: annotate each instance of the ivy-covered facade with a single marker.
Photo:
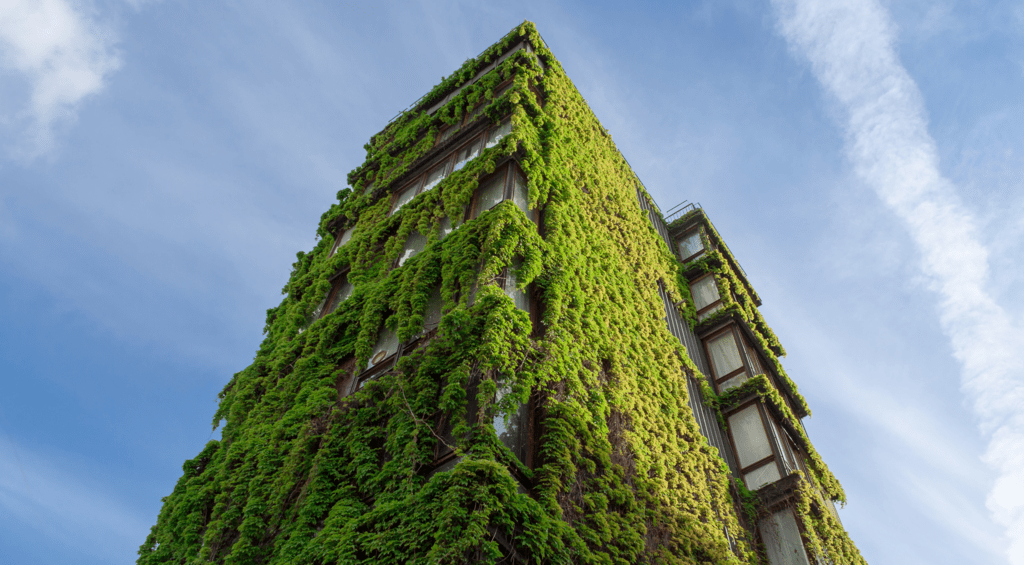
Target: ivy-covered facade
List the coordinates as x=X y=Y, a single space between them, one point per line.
x=499 y=352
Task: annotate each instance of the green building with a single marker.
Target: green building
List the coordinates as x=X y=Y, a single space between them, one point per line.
x=500 y=351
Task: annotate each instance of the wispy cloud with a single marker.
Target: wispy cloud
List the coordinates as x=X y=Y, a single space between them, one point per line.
x=850 y=45
x=39 y=495
x=54 y=55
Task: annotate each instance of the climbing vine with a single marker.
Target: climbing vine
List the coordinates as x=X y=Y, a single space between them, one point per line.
x=306 y=474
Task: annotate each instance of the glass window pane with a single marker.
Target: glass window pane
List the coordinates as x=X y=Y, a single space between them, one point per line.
x=703 y=316
x=435 y=176
x=761 y=476
x=781 y=537
x=733 y=382
x=467 y=153
x=386 y=346
x=490 y=193
x=724 y=354
x=342 y=240
x=514 y=433
x=446 y=466
x=413 y=245
x=432 y=316
x=369 y=188
x=317 y=311
x=519 y=296
x=754 y=360
x=495 y=134
x=448 y=133
x=445 y=227
x=503 y=90
x=690 y=244
x=782 y=446
x=344 y=290
x=705 y=292
x=476 y=112
x=405 y=197
x=749 y=436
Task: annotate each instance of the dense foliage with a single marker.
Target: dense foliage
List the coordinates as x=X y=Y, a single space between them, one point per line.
x=304 y=474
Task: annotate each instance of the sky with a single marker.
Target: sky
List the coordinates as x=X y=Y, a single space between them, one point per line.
x=162 y=161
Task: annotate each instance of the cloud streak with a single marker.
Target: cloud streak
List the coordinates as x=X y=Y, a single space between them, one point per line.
x=37 y=495
x=850 y=46
x=53 y=57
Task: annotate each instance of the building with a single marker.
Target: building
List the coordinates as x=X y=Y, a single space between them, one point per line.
x=501 y=351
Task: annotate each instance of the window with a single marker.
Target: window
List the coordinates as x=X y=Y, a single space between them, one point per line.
x=448 y=133
x=340 y=240
x=490 y=192
x=432 y=315
x=506 y=182
x=783 y=446
x=513 y=429
x=446 y=227
x=726 y=360
x=467 y=153
x=501 y=90
x=733 y=359
x=754 y=360
x=521 y=195
x=436 y=175
x=413 y=245
x=781 y=536
x=341 y=289
x=407 y=194
x=477 y=110
x=753 y=448
x=705 y=296
x=444 y=453
x=495 y=134
x=509 y=284
x=691 y=246
x=386 y=346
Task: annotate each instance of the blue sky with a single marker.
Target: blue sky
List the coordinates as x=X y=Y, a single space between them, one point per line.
x=162 y=161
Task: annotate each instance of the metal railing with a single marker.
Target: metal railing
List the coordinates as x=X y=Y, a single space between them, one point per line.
x=421 y=98
x=679 y=210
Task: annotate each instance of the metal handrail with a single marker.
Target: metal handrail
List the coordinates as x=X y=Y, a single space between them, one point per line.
x=420 y=99
x=680 y=210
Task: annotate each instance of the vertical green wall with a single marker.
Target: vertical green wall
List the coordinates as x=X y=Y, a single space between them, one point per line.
x=622 y=474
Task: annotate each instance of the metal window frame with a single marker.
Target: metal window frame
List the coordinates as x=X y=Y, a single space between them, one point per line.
x=711 y=306
x=335 y=287
x=766 y=423
x=738 y=340
x=703 y=244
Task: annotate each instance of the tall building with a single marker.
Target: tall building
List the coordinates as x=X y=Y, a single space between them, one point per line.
x=500 y=350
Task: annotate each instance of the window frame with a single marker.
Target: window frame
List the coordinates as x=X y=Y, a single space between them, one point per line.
x=509 y=169
x=398 y=260
x=475 y=140
x=766 y=423
x=699 y=230
x=474 y=207
x=414 y=184
x=381 y=367
x=344 y=376
x=710 y=307
x=335 y=288
x=338 y=236
x=740 y=342
x=473 y=116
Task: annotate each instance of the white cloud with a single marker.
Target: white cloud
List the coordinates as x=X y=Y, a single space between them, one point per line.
x=77 y=517
x=53 y=56
x=850 y=45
